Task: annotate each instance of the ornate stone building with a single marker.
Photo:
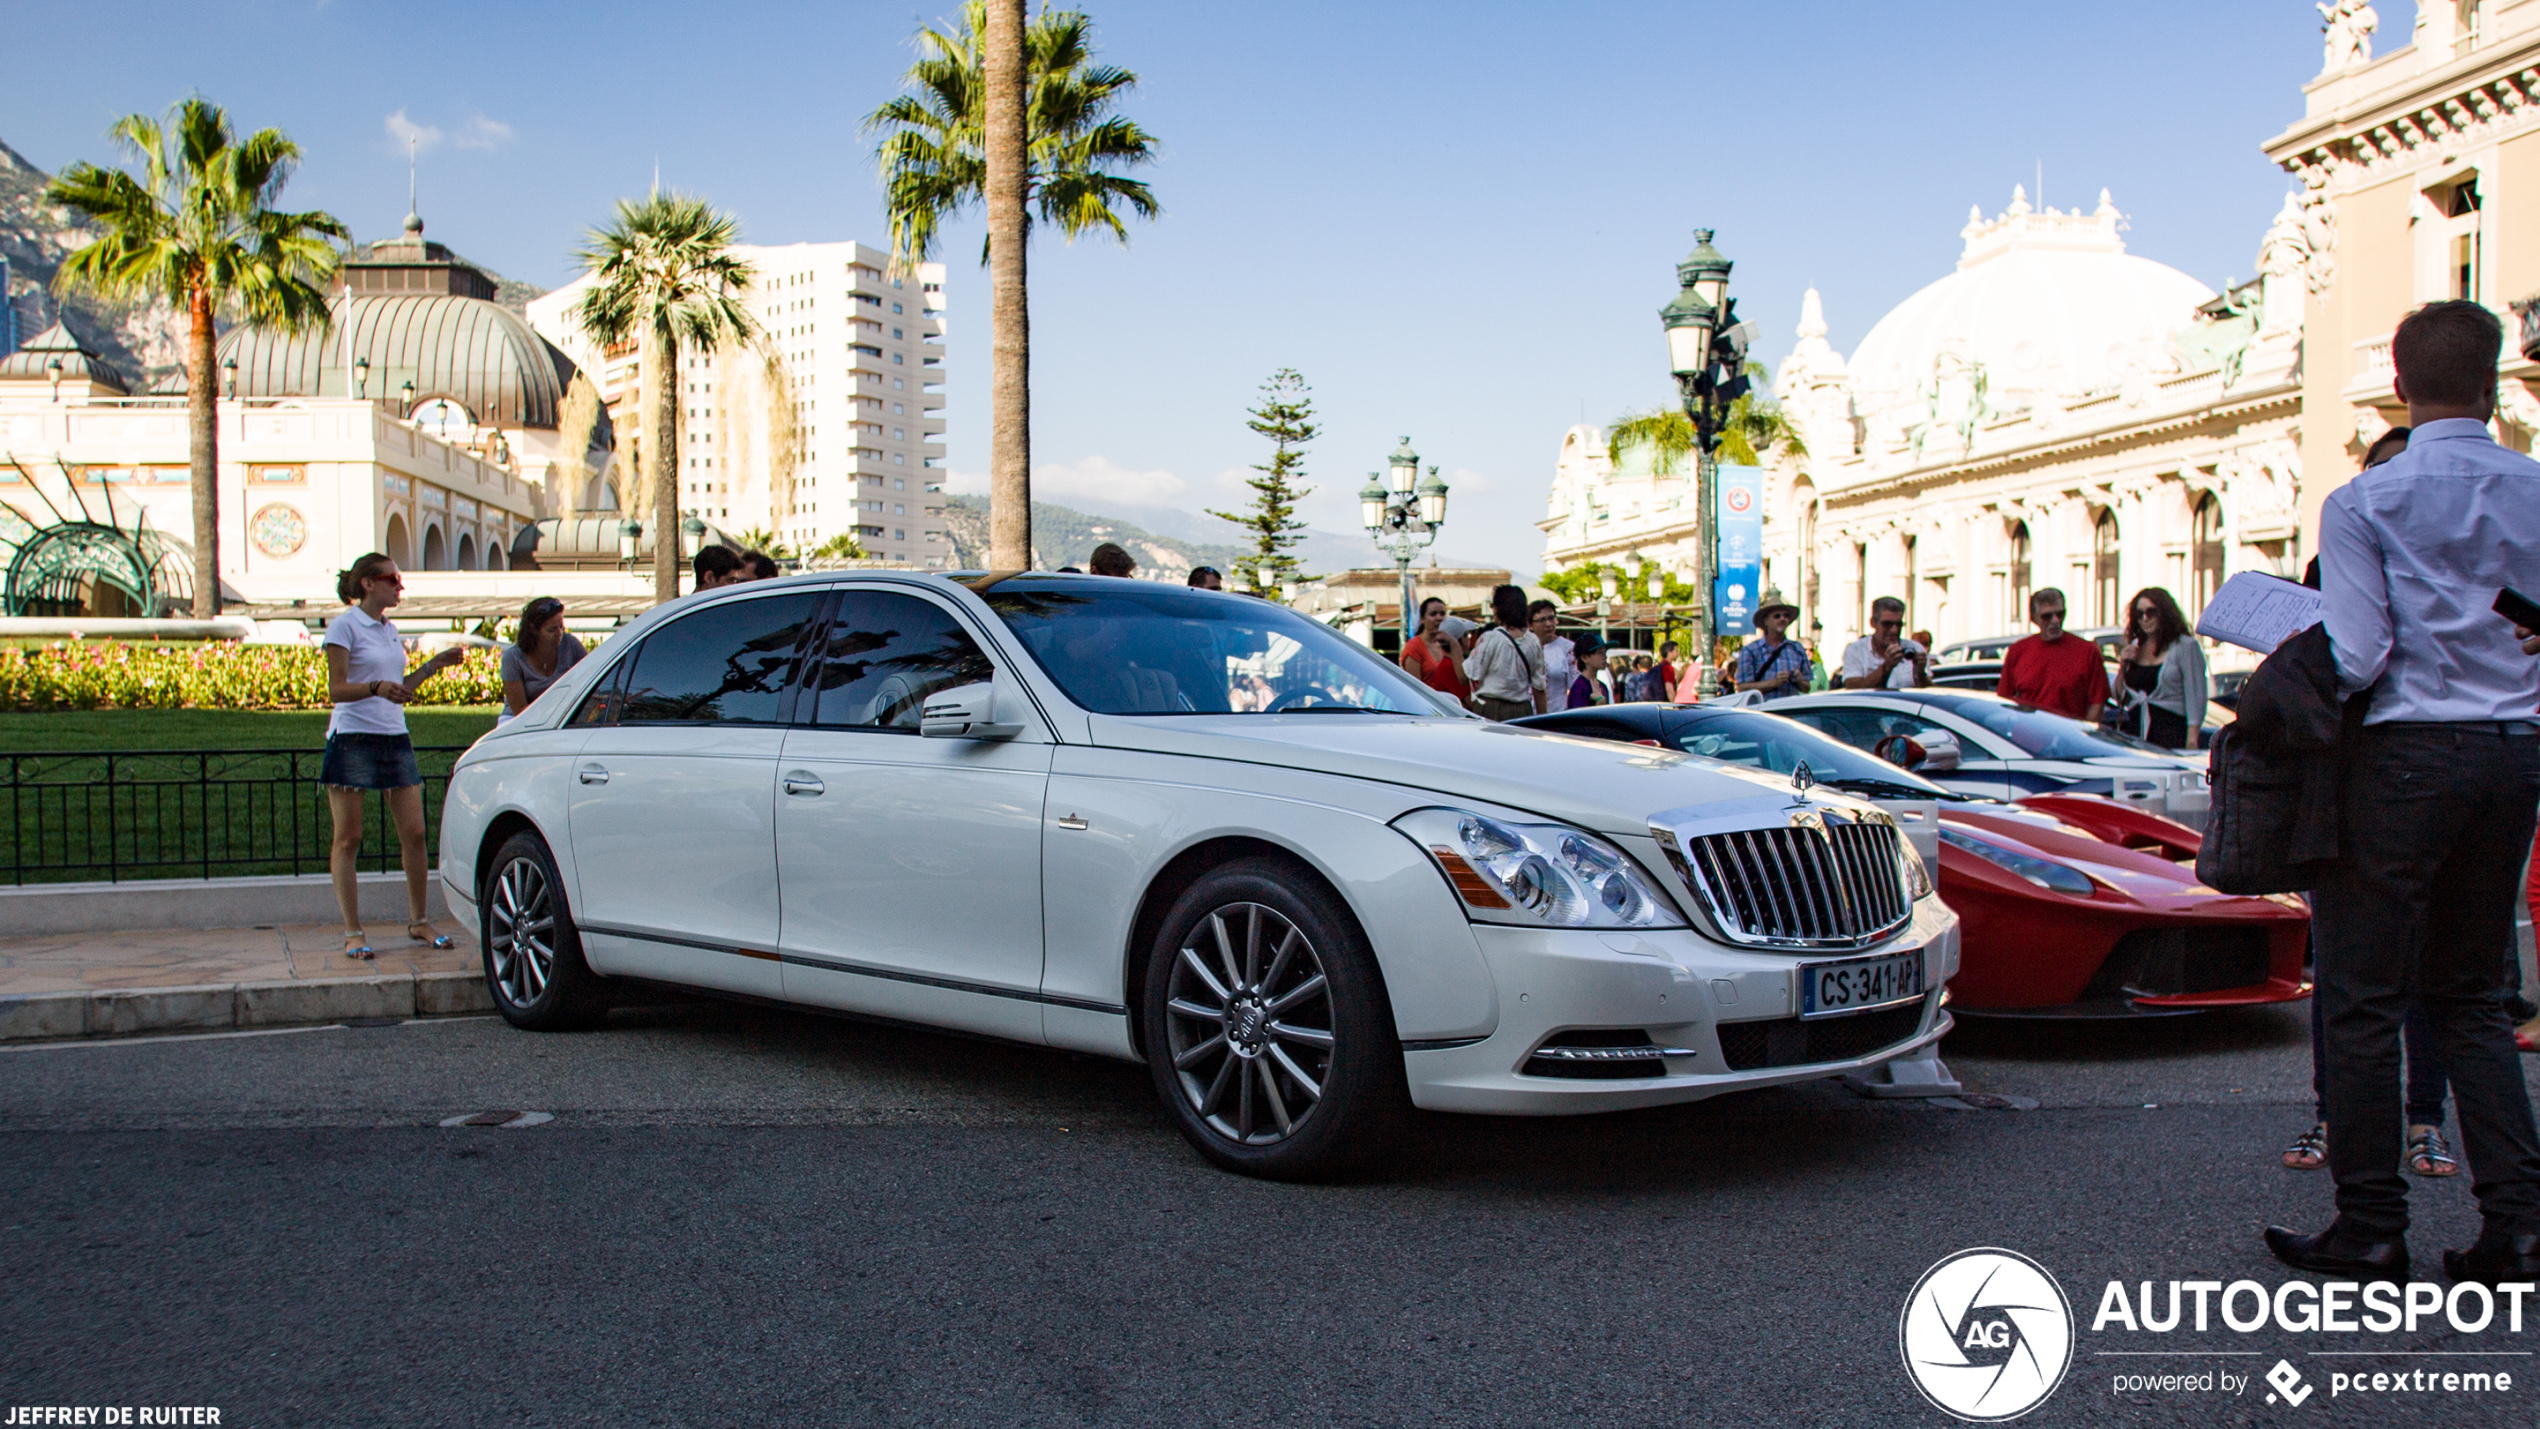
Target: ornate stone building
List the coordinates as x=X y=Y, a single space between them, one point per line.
x=2061 y=412
x=2058 y=412
x=2420 y=180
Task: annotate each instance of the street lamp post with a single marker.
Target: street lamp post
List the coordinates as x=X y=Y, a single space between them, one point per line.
x=1403 y=514
x=1706 y=349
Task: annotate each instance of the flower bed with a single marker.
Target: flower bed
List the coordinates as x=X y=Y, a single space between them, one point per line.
x=107 y=674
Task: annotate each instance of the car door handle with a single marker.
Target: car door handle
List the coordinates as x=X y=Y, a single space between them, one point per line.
x=592 y=774
x=804 y=784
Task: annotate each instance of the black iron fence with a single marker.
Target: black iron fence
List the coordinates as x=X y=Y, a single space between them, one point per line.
x=190 y=813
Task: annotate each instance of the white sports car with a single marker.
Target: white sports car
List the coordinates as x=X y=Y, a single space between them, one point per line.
x=1985 y=745
x=1186 y=828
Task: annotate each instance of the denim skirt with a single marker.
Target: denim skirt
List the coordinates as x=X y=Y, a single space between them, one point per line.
x=370 y=761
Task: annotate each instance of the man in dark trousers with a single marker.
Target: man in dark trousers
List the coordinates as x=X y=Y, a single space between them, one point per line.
x=2053 y=670
x=2436 y=817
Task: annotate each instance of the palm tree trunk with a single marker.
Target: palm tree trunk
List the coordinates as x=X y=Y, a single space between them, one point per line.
x=660 y=392
x=1009 y=317
x=202 y=415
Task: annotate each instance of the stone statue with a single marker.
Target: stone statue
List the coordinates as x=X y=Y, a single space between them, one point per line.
x=2348 y=25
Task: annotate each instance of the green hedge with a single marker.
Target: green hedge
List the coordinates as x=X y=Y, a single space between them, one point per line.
x=107 y=674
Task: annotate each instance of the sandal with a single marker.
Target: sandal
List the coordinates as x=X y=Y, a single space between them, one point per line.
x=2309 y=1151
x=357 y=944
x=2428 y=1156
x=421 y=931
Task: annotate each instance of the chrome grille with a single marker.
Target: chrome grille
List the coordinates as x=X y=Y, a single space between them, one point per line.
x=1815 y=883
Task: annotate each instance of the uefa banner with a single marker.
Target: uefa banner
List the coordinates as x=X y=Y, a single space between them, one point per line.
x=1740 y=534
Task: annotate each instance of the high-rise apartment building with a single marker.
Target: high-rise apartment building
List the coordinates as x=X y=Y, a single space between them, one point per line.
x=828 y=426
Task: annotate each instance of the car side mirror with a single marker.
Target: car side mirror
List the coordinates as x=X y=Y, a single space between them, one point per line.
x=964 y=712
x=1903 y=751
x=1940 y=751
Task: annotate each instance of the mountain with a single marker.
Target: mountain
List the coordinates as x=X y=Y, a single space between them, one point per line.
x=1166 y=542
x=144 y=340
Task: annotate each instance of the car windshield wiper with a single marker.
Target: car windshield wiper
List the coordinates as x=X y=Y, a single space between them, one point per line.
x=1339 y=709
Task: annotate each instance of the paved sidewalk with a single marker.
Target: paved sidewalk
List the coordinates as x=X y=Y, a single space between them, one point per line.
x=211 y=979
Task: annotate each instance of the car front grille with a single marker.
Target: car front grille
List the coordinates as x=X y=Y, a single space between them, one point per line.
x=1789 y=1042
x=1819 y=884
x=2167 y=962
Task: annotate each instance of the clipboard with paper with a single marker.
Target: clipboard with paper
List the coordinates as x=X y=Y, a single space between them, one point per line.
x=2259 y=612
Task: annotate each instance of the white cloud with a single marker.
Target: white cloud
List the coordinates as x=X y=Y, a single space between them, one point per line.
x=966 y=483
x=1102 y=478
x=424 y=137
x=1464 y=478
x=484 y=133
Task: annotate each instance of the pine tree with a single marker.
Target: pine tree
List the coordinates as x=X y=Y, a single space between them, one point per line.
x=1286 y=417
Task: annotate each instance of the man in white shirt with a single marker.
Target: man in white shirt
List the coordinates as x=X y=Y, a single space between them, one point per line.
x=2439 y=797
x=1560 y=658
x=1884 y=659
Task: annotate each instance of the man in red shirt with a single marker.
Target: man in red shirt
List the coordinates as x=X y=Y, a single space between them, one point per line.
x=2052 y=670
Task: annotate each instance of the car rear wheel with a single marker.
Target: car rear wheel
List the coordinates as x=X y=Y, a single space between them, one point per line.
x=533 y=953
x=1267 y=1026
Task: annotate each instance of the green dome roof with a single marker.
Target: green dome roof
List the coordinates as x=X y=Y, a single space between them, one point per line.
x=478 y=354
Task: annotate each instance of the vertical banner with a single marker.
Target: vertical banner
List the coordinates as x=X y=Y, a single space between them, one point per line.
x=1739 y=533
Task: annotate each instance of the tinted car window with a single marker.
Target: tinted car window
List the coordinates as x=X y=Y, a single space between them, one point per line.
x=884 y=654
x=2043 y=735
x=729 y=663
x=1861 y=727
x=1131 y=647
x=607 y=695
x=1768 y=741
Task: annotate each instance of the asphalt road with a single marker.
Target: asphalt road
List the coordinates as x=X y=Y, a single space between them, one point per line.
x=741 y=1216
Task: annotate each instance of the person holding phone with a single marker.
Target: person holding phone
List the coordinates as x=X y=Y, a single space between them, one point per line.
x=2440 y=795
x=367 y=747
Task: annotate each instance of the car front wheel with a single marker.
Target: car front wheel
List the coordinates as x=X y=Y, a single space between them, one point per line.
x=1267 y=1026
x=533 y=953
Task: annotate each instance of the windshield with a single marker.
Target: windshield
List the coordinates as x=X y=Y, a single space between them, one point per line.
x=1130 y=647
x=1768 y=741
x=2042 y=734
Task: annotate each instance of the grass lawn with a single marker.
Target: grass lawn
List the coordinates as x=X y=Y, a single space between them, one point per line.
x=60 y=730
x=176 y=816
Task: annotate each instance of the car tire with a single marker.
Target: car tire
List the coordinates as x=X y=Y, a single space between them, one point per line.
x=534 y=967
x=1267 y=1028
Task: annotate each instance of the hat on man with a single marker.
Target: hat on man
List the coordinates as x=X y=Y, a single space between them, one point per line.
x=1769 y=606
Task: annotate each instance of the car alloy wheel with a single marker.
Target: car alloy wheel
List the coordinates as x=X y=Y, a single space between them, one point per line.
x=1249 y=1024
x=520 y=926
x=533 y=952
x=1266 y=1025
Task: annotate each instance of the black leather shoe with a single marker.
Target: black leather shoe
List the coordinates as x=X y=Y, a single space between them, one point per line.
x=2494 y=1260
x=2333 y=1253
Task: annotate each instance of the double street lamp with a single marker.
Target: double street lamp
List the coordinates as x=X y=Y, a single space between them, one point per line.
x=1402 y=515
x=1706 y=349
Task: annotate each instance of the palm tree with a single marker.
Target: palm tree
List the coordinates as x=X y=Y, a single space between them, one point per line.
x=198 y=227
x=946 y=145
x=667 y=279
x=1752 y=432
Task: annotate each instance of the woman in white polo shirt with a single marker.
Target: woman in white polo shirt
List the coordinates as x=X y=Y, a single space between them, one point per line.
x=367 y=747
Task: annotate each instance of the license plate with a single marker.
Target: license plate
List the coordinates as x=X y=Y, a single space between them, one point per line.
x=1826 y=989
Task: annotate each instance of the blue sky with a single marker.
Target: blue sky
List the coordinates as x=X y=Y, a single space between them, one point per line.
x=1458 y=220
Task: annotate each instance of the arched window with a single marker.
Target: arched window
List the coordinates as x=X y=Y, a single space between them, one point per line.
x=467 y=552
x=2104 y=598
x=1913 y=574
x=436 y=551
x=397 y=548
x=2021 y=575
x=2205 y=553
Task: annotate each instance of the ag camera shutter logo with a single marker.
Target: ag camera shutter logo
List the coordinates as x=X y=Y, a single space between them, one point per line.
x=1986 y=1334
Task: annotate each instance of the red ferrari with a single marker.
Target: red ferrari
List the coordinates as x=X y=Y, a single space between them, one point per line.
x=2071 y=905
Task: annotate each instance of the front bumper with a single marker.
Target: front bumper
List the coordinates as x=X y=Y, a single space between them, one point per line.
x=1730 y=1009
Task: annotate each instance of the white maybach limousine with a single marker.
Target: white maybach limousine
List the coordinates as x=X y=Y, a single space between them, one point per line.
x=1186 y=828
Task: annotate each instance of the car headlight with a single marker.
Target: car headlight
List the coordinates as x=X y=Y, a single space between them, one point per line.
x=2060 y=877
x=1537 y=875
x=1917 y=875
